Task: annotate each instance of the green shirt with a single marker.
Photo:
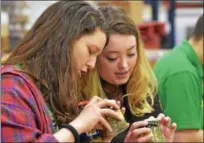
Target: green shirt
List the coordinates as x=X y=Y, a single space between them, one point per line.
x=180 y=77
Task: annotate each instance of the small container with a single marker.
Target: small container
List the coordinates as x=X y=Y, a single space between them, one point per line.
x=156 y=131
x=116 y=125
x=96 y=135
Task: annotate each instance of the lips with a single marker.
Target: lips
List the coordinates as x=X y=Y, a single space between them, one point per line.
x=122 y=74
x=81 y=73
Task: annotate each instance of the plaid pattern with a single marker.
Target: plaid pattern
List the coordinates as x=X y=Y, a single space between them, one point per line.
x=24 y=115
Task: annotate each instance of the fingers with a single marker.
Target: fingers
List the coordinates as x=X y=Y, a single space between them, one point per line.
x=166 y=121
x=118 y=103
x=173 y=126
x=160 y=116
x=105 y=124
x=123 y=110
x=139 y=135
x=138 y=124
x=105 y=103
x=98 y=126
x=95 y=99
x=139 y=132
x=150 y=118
x=111 y=113
x=145 y=138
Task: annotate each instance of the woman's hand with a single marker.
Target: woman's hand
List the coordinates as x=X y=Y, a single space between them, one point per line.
x=107 y=137
x=138 y=132
x=166 y=127
x=94 y=113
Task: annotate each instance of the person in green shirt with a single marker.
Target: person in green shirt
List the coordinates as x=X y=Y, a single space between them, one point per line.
x=180 y=78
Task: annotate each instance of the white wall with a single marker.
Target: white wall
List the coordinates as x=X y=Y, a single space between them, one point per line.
x=185 y=18
x=35 y=10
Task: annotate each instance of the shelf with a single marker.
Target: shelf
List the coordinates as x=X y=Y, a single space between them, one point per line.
x=133 y=8
x=185 y=4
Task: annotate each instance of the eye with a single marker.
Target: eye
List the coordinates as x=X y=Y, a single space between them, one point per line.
x=131 y=55
x=111 y=59
x=90 y=52
x=93 y=50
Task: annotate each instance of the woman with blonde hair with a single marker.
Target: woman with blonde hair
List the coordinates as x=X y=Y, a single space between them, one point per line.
x=126 y=75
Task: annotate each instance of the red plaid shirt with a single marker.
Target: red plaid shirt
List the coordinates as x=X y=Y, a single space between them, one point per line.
x=24 y=115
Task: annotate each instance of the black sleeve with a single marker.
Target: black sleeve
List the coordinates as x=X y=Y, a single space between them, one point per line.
x=131 y=118
x=157 y=106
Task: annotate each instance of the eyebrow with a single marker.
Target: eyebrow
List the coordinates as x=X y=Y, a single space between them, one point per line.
x=131 y=47
x=117 y=51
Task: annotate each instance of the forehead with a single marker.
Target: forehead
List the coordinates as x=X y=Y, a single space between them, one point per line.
x=120 y=42
x=95 y=34
x=97 y=38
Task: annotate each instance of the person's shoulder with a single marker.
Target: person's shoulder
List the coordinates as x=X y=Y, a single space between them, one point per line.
x=173 y=57
x=13 y=71
x=12 y=78
x=10 y=69
x=7 y=68
x=173 y=62
x=17 y=86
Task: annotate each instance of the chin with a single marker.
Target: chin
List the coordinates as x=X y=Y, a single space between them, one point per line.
x=121 y=81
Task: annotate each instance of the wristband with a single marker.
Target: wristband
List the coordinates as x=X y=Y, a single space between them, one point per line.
x=73 y=131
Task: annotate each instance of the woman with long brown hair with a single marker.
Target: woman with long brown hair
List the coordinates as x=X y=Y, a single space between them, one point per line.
x=39 y=89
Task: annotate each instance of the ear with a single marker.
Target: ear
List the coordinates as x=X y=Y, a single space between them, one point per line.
x=200 y=50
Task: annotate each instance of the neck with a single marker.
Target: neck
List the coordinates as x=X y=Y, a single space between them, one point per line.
x=198 y=48
x=112 y=91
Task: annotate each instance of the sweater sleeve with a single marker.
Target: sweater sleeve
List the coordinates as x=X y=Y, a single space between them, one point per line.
x=19 y=121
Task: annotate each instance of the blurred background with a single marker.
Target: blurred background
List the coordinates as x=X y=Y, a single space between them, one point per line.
x=163 y=24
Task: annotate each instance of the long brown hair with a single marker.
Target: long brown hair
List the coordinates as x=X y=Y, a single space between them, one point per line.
x=142 y=84
x=46 y=52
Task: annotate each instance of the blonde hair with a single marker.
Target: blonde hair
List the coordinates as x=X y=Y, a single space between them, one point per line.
x=91 y=86
x=142 y=85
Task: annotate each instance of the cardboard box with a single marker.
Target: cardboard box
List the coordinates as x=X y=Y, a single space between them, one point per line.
x=133 y=8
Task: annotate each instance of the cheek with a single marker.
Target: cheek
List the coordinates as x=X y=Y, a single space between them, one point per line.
x=75 y=61
x=132 y=63
x=81 y=57
x=106 y=69
x=104 y=65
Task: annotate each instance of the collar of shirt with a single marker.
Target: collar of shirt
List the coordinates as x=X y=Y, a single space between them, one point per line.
x=193 y=58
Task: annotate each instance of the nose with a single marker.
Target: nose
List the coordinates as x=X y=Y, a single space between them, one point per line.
x=123 y=64
x=91 y=62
